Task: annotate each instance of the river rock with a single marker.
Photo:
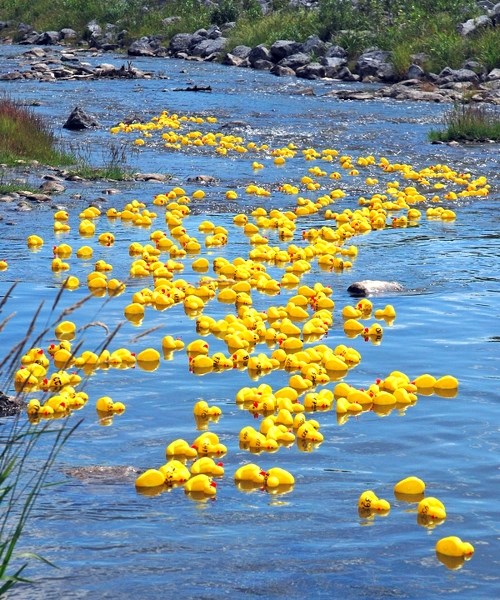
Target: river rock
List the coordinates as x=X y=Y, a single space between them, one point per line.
x=150 y=177
x=10 y=405
x=141 y=47
x=472 y=26
x=79 y=119
x=375 y=63
x=311 y=71
x=234 y=61
x=494 y=14
x=260 y=52
x=209 y=47
x=102 y=473
x=448 y=75
x=332 y=65
x=368 y=287
x=284 y=48
x=493 y=75
x=241 y=51
x=314 y=46
x=335 y=52
x=280 y=71
x=181 y=42
x=52 y=187
x=294 y=61
x=415 y=72
x=263 y=65
x=203 y=179
x=67 y=34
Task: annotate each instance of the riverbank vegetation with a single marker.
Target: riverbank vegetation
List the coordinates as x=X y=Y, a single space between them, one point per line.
x=24 y=136
x=421 y=27
x=468 y=123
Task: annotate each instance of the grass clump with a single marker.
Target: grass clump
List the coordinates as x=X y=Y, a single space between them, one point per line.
x=113 y=164
x=469 y=123
x=25 y=136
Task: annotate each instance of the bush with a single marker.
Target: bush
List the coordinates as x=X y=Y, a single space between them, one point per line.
x=25 y=136
x=469 y=122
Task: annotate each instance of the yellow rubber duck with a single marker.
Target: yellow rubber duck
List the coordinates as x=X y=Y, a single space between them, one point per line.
x=201 y=484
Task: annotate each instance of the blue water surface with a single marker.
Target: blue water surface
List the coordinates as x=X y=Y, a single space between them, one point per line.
x=108 y=540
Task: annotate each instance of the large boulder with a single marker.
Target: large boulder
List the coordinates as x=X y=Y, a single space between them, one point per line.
x=311 y=71
x=79 y=119
x=284 y=48
x=294 y=61
x=448 y=75
x=282 y=71
x=335 y=52
x=314 y=45
x=494 y=14
x=472 y=26
x=332 y=66
x=141 y=47
x=260 y=52
x=375 y=63
x=208 y=47
x=181 y=42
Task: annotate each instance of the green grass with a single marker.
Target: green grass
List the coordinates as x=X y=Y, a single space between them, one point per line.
x=25 y=136
x=113 y=164
x=469 y=122
x=27 y=456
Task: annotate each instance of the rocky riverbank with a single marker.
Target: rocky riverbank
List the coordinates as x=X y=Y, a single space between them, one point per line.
x=309 y=60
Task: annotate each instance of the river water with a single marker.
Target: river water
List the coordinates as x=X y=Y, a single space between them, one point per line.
x=108 y=540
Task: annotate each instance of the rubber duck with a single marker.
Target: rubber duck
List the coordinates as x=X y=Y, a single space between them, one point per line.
x=424 y=382
x=447 y=382
x=388 y=312
x=203 y=410
x=432 y=509
x=454 y=546
x=207 y=466
x=197 y=347
x=410 y=486
x=353 y=326
x=84 y=252
x=65 y=330
x=34 y=241
x=150 y=479
x=175 y=472
x=250 y=473
x=180 y=447
x=200 y=484
x=277 y=476
x=208 y=444
x=369 y=502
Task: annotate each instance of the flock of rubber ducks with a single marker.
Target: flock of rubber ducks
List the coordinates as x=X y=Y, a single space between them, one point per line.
x=290 y=335
x=450 y=550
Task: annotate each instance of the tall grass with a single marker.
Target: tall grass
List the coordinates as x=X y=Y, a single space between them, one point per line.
x=25 y=136
x=469 y=122
x=27 y=457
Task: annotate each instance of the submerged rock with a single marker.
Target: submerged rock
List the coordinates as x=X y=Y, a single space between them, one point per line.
x=368 y=287
x=79 y=119
x=10 y=405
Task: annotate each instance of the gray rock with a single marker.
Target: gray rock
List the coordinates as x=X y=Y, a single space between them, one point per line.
x=241 y=51
x=475 y=66
x=311 y=71
x=332 y=65
x=493 y=75
x=375 y=63
x=67 y=33
x=52 y=187
x=79 y=119
x=214 y=32
x=345 y=75
x=10 y=405
x=260 y=52
x=209 y=46
x=141 y=47
x=472 y=26
x=494 y=14
x=448 y=75
x=314 y=45
x=263 y=65
x=415 y=72
x=12 y=76
x=150 y=177
x=294 y=61
x=48 y=38
x=280 y=71
x=368 y=287
x=170 y=21
x=232 y=60
x=202 y=179
x=335 y=52
x=284 y=48
x=181 y=42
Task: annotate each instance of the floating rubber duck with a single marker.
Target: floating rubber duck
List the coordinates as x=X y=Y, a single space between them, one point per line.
x=250 y=473
x=431 y=509
x=277 y=476
x=150 y=479
x=203 y=410
x=410 y=486
x=207 y=466
x=200 y=484
x=180 y=447
x=65 y=330
x=34 y=241
x=175 y=472
x=455 y=547
x=369 y=502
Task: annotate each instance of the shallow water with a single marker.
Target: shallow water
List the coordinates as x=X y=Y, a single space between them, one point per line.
x=108 y=540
